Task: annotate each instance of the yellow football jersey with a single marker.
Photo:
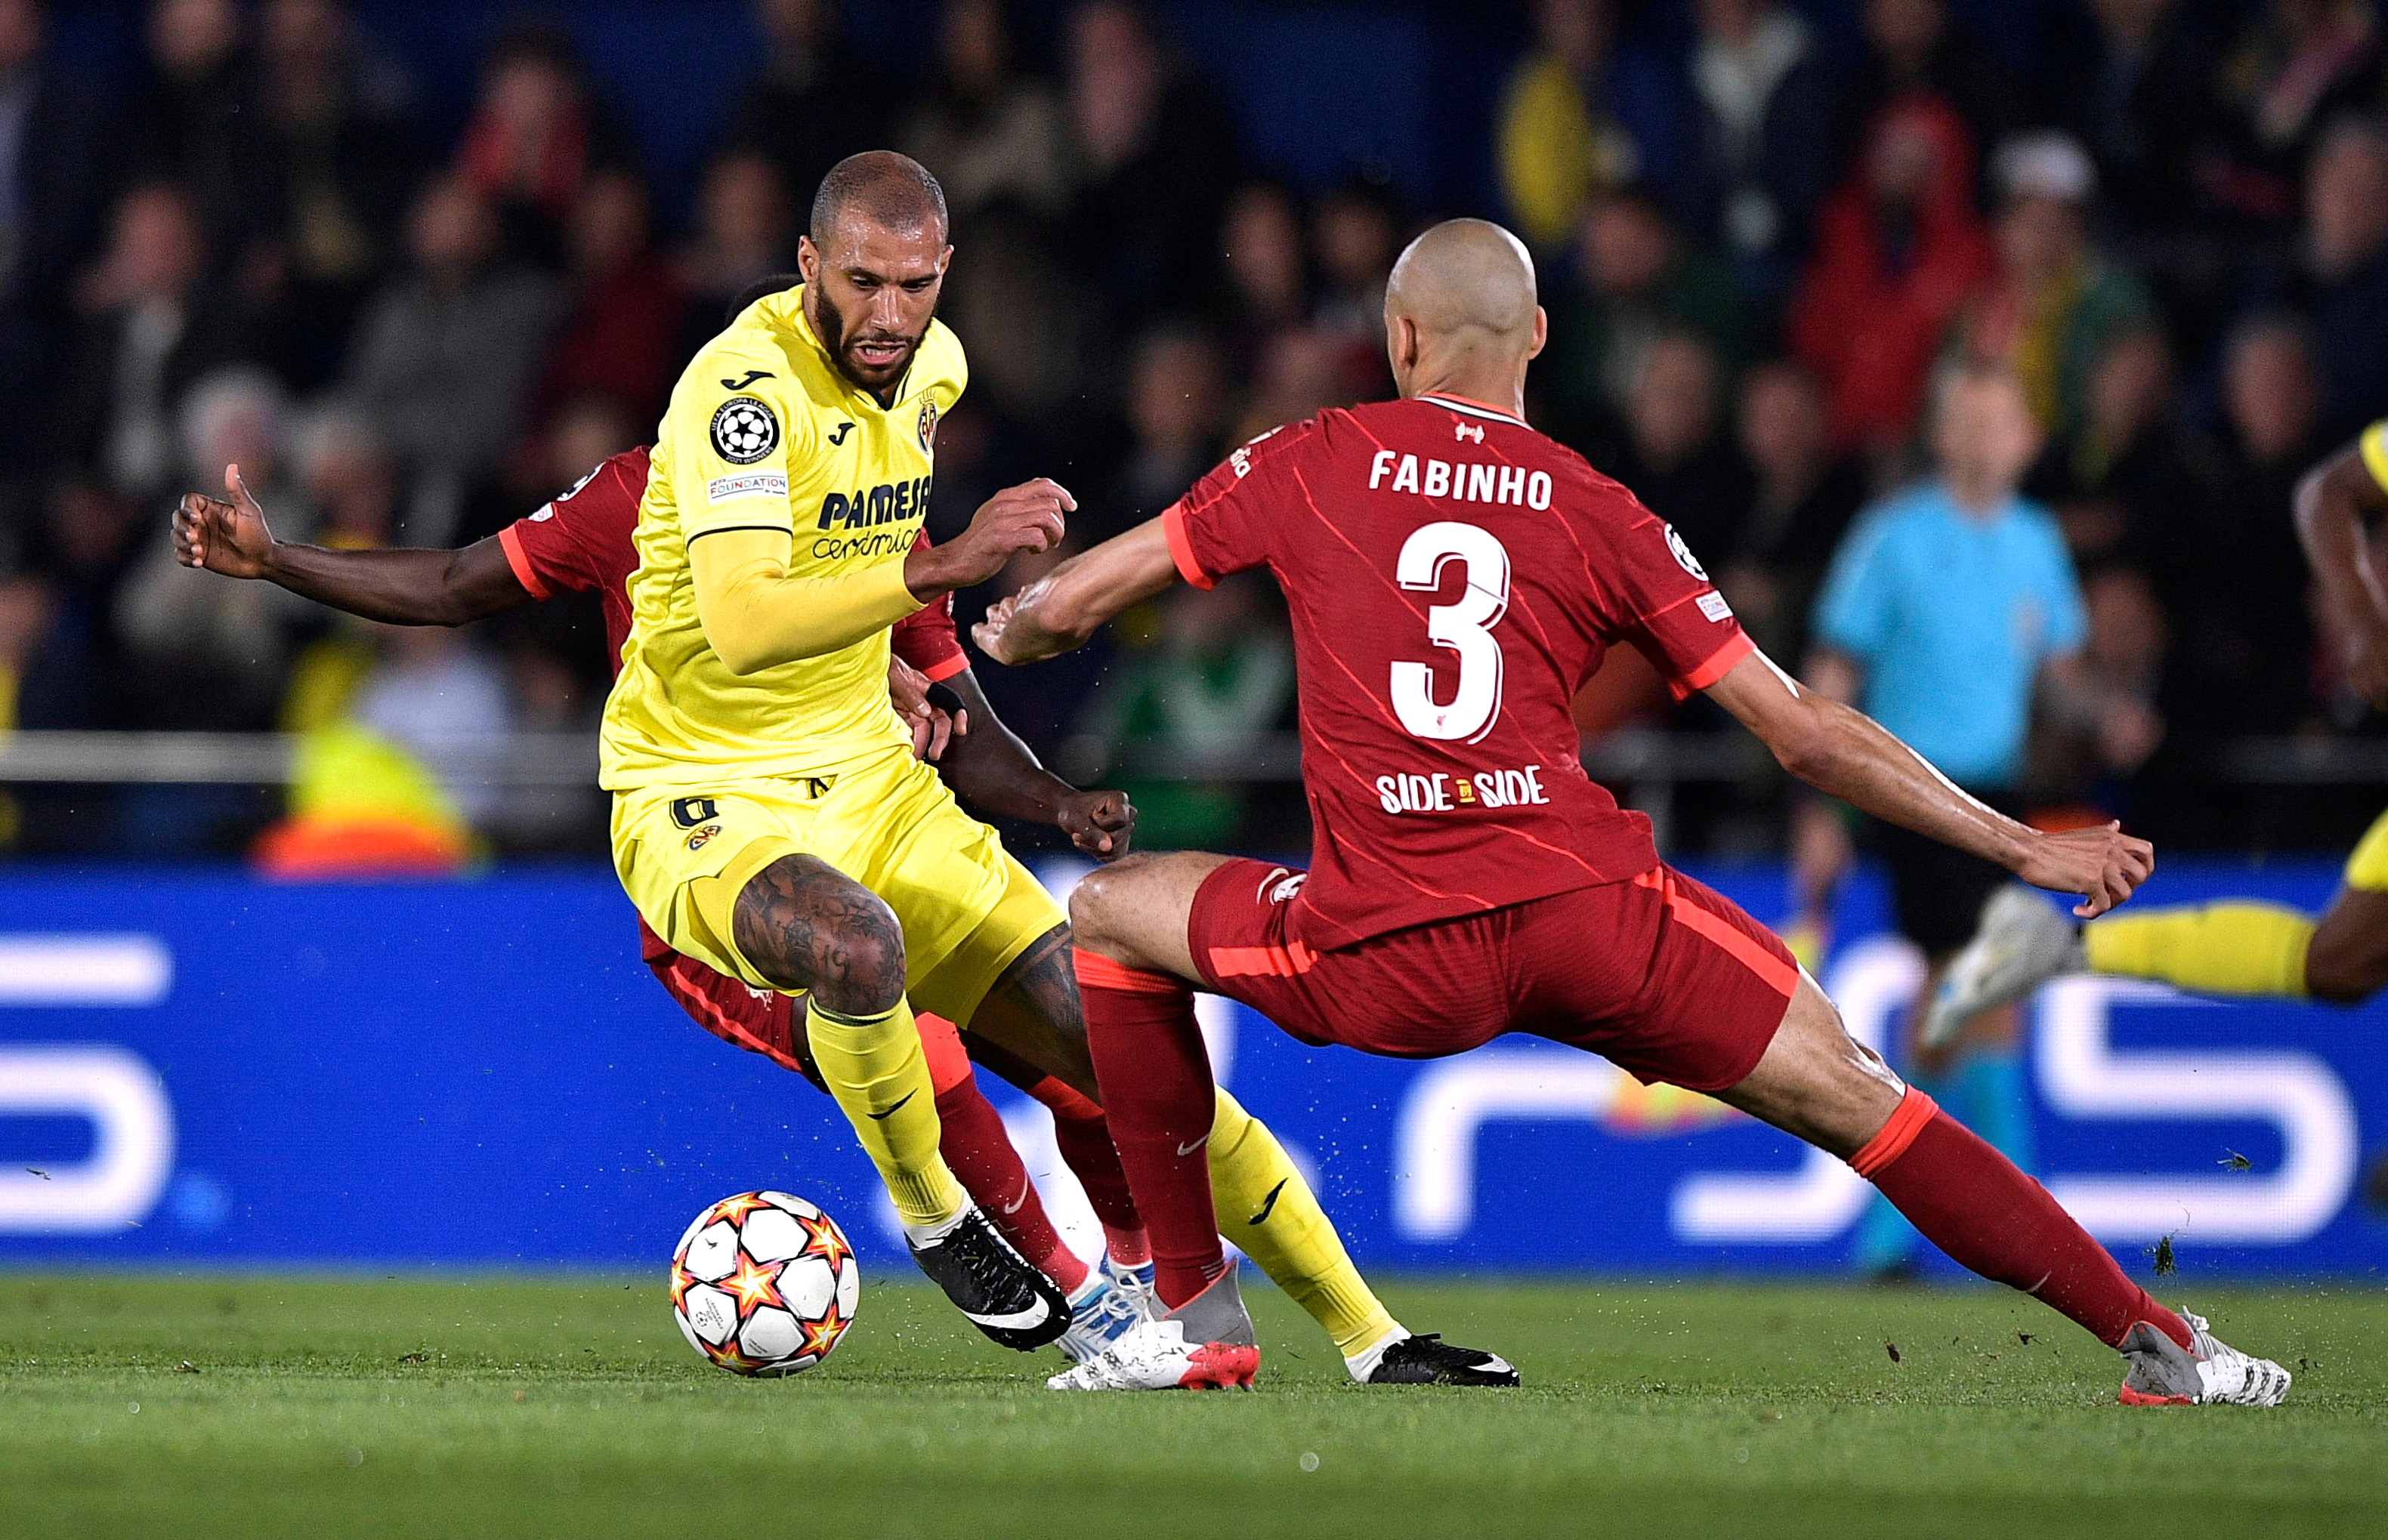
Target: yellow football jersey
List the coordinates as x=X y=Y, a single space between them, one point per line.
x=2374 y=445
x=764 y=433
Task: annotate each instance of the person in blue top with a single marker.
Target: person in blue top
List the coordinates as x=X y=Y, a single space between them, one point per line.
x=1950 y=610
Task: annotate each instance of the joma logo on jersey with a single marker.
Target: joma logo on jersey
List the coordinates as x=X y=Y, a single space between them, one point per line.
x=888 y=503
x=1439 y=793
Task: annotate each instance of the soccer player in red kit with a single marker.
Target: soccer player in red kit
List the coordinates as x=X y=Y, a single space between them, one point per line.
x=581 y=543
x=1454 y=578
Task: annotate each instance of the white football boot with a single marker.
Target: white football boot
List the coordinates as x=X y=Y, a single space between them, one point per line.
x=2021 y=943
x=1137 y=1284
x=2164 y=1373
x=1100 y=1312
x=1207 y=1345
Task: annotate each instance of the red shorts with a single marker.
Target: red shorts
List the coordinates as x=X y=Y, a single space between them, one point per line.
x=765 y=1021
x=1663 y=976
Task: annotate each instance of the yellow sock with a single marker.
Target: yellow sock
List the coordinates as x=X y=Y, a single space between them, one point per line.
x=2235 y=947
x=1272 y=1216
x=880 y=1076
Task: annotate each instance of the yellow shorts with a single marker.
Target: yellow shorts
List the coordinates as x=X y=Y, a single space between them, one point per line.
x=966 y=907
x=2367 y=869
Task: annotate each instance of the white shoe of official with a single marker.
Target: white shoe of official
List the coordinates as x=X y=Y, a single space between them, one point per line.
x=2021 y=943
x=1154 y=1354
x=2164 y=1373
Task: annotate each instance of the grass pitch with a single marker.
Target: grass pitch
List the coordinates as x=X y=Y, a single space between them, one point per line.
x=222 y=1405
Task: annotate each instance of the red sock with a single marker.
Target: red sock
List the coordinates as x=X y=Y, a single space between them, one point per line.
x=975 y=1144
x=1155 y=1077
x=1974 y=1204
x=1086 y=1145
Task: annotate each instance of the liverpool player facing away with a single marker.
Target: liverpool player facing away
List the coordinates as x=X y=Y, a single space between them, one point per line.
x=581 y=543
x=1453 y=577
x=2235 y=947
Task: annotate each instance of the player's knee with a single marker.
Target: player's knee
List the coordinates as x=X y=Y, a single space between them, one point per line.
x=863 y=971
x=1095 y=903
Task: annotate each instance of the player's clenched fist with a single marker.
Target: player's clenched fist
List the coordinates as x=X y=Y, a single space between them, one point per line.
x=227 y=537
x=1024 y=518
x=1099 y=824
x=2104 y=865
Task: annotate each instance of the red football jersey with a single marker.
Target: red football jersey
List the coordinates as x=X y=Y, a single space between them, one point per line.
x=1454 y=578
x=582 y=542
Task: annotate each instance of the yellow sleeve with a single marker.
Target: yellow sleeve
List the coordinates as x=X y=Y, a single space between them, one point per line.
x=2374 y=445
x=756 y=616
x=725 y=439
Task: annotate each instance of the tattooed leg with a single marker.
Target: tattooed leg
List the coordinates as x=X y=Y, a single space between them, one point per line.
x=804 y=925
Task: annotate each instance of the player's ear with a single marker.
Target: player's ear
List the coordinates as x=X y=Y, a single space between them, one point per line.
x=1541 y=331
x=807 y=259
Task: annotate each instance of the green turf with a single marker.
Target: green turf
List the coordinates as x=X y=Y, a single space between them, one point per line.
x=526 y=1407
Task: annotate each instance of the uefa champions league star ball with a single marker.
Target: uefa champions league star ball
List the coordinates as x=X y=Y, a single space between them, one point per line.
x=763 y=1283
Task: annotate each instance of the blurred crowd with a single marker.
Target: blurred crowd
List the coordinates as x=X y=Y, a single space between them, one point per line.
x=1763 y=229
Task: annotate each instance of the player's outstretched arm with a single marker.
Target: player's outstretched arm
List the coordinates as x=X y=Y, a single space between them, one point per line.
x=2336 y=503
x=1843 y=752
x=757 y=616
x=404 y=588
x=989 y=768
x=1060 y=610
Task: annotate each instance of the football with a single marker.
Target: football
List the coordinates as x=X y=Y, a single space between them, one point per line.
x=763 y=1283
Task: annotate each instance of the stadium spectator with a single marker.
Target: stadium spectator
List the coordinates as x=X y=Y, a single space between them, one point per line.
x=993 y=136
x=814 y=102
x=1355 y=232
x=1176 y=403
x=1949 y=606
x=1676 y=460
x=196 y=121
x=152 y=328
x=1764 y=156
x=1631 y=278
x=2138 y=88
x=439 y=698
x=1915 y=49
x=2120 y=482
x=1199 y=705
x=1899 y=251
x=1265 y=262
x=2346 y=289
x=744 y=231
x=2296 y=65
x=622 y=336
x=51 y=211
x=2055 y=301
x=212 y=654
x=537 y=134
x=445 y=357
x=2247 y=633
x=1301 y=374
x=1156 y=155
x=1802 y=497
x=341 y=160
x=1560 y=140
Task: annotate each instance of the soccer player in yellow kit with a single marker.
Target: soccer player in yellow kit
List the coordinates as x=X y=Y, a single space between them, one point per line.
x=769 y=819
x=2242 y=947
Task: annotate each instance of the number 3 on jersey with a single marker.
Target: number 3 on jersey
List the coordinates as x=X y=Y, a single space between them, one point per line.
x=1464 y=627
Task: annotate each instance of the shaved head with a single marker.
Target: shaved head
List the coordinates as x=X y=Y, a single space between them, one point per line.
x=893 y=192
x=1466 y=275
x=1460 y=313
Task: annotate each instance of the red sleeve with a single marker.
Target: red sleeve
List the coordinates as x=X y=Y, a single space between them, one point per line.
x=583 y=539
x=1223 y=524
x=1665 y=604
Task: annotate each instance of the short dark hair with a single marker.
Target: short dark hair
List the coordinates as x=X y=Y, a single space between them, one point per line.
x=895 y=191
x=779 y=283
